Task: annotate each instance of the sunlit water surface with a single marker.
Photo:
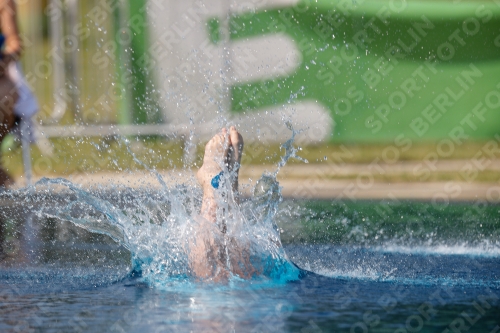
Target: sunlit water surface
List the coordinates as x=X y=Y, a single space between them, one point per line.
x=410 y=266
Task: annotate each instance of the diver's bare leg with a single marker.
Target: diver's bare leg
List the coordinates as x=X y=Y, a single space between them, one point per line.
x=235 y=152
x=204 y=247
x=216 y=153
x=207 y=252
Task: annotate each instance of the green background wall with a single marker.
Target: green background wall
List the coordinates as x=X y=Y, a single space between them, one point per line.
x=385 y=69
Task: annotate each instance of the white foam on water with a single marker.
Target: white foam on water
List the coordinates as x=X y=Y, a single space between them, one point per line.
x=485 y=248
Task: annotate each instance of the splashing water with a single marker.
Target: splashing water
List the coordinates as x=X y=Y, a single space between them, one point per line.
x=157 y=227
x=290 y=150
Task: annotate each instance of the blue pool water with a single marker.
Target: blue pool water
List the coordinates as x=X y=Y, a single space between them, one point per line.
x=62 y=302
x=419 y=267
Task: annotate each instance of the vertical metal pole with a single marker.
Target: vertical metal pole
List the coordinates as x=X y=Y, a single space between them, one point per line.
x=34 y=36
x=122 y=65
x=73 y=60
x=25 y=145
x=58 y=76
x=225 y=30
x=31 y=244
x=226 y=66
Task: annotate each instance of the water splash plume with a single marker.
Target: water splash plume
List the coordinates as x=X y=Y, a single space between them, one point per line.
x=159 y=226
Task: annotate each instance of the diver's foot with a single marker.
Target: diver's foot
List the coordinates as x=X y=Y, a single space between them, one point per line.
x=235 y=152
x=216 y=155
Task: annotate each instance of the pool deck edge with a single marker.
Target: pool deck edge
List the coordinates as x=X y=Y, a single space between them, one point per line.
x=307 y=182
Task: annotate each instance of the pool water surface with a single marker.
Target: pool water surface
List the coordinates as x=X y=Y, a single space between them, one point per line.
x=418 y=267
